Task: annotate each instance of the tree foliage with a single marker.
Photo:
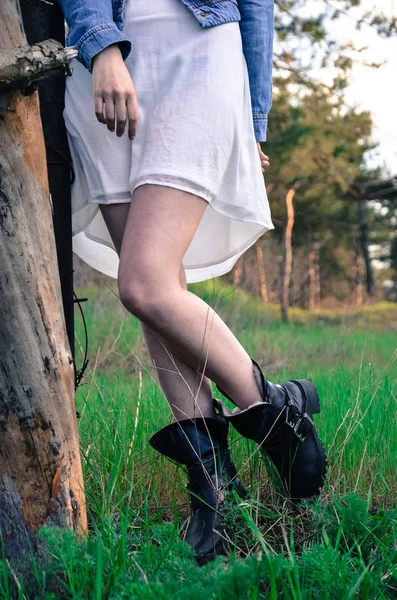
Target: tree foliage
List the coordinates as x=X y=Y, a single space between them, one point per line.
x=318 y=144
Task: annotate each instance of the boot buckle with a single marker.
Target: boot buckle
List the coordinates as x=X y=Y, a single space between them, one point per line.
x=301 y=427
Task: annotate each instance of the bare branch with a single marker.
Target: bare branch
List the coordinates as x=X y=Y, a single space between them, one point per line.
x=20 y=67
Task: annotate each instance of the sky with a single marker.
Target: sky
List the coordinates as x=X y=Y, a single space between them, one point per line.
x=375 y=89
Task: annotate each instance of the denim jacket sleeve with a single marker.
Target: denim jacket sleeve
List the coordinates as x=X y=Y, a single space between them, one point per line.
x=257 y=32
x=92 y=28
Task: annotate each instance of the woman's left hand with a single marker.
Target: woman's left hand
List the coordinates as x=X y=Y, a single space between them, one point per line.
x=265 y=162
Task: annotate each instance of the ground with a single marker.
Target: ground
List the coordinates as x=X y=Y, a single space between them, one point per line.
x=342 y=546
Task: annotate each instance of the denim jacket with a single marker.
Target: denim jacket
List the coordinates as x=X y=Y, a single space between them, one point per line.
x=95 y=24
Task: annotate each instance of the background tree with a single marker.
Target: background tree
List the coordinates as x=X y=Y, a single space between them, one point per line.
x=320 y=143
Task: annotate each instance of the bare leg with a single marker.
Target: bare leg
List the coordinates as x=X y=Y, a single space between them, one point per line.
x=160 y=226
x=187 y=391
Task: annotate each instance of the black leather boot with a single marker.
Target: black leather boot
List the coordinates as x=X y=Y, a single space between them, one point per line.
x=283 y=427
x=201 y=445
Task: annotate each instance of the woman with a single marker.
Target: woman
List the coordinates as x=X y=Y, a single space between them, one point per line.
x=180 y=199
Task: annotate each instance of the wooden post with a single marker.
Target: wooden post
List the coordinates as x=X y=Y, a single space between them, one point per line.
x=287 y=254
x=40 y=468
x=363 y=191
x=43 y=20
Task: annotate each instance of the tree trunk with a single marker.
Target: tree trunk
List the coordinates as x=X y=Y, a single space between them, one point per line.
x=40 y=469
x=318 y=279
x=314 y=276
x=237 y=272
x=358 y=291
x=287 y=255
x=261 y=273
x=364 y=240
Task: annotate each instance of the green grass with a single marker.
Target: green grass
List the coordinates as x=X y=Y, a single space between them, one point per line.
x=342 y=546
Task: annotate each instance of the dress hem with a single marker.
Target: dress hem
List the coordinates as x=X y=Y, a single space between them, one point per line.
x=178 y=183
x=217 y=272
x=219 y=268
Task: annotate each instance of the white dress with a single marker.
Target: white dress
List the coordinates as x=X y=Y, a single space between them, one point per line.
x=195 y=134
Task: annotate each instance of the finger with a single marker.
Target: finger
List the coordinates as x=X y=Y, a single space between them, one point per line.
x=132 y=111
x=98 y=104
x=109 y=112
x=121 y=111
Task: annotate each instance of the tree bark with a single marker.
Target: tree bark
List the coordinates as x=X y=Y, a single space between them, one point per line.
x=261 y=273
x=40 y=468
x=287 y=254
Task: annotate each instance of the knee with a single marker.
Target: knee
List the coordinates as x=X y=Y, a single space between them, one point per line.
x=134 y=297
x=145 y=299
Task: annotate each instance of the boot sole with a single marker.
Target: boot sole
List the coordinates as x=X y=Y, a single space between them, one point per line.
x=219 y=550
